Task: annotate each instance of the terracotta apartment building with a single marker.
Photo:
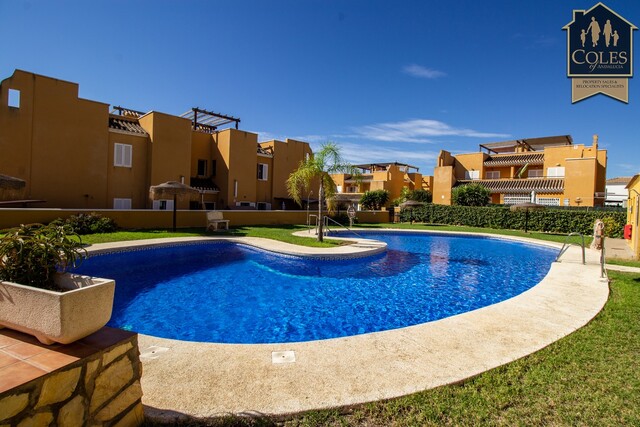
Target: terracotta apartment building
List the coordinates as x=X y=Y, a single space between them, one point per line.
x=380 y=176
x=552 y=170
x=76 y=153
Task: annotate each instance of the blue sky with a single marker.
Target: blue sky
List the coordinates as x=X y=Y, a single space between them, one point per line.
x=387 y=81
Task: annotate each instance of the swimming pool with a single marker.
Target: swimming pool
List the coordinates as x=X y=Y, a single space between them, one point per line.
x=231 y=293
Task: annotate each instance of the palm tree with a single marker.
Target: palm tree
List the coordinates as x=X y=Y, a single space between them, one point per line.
x=317 y=169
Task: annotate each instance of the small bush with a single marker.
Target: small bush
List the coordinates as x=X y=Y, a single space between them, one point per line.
x=31 y=254
x=471 y=195
x=91 y=223
x=420 y=196
x=374 y=200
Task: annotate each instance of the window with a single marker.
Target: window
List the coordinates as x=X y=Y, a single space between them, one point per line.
x=121 y=203
x=339 y=188
x=535 y=173
x=14 y=98
x=551 y=201
x=163 y=205
x=235 y=188
x=263 y=206
x=557 y=172
x=493 y=174
x=122 y=155
x=202 y=167
x=514 y=199
x=213 y=168
x=471 y=174
x=263 y=170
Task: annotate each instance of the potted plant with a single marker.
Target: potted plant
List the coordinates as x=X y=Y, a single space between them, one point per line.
x=38 y=295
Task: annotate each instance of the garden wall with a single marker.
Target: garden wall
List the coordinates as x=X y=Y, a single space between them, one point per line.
x=547 y=220
x=100 y=388
x=145 y=218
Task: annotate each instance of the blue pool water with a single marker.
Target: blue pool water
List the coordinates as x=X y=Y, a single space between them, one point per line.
x=231 y=293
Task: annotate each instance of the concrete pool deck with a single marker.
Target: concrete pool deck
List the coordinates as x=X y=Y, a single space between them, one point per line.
x=203 y=379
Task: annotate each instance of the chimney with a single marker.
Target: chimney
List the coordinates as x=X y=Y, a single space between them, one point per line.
x=595 y=142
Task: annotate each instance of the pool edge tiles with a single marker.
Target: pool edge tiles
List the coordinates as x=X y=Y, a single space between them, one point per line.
x=420 y=279
x=354 y=250
x=202 y=379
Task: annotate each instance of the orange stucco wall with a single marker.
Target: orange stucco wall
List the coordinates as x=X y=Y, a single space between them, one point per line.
x=585 y=173
x=52 y=132
x=146 y=218
x=63 y=148
x=633 y=214
x=128 y=182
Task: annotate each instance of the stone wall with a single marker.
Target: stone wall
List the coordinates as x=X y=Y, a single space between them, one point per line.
x=102 y=389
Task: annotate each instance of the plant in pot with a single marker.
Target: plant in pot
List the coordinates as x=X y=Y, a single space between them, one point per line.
x=38 y=295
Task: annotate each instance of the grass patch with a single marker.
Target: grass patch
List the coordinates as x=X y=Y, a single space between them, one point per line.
x=591 y=377
x=625 y=262
x=281 y=233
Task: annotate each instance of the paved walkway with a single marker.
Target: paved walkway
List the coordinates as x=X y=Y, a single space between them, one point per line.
x=617 y=248
x=204 y=379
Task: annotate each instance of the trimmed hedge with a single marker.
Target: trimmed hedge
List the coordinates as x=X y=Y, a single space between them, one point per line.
x=547 y=220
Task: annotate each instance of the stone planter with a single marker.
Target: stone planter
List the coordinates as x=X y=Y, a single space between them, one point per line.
x=62 y=317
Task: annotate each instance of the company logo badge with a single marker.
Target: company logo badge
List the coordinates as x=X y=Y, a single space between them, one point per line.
x=599 y=53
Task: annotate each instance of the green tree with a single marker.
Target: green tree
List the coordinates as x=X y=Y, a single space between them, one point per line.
x=420 y=195
x=317 y=169
x=374 y=200
x=471 y=195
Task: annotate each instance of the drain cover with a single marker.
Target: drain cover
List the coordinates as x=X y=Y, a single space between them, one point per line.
x=283 y=356
x=153 y=352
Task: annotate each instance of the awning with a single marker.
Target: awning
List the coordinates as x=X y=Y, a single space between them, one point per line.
x=542 y=185
x=515 y=159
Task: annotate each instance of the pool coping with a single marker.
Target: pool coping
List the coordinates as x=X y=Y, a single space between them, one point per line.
x=202 y=379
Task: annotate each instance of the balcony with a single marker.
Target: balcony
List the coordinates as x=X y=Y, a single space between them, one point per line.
x=515 y=159
x=539 y=185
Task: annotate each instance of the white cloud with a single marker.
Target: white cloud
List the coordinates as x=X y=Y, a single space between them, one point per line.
x=418 y=131
x=628 y=167
x=311 y=138
x=362 y=154
x=419 y=71
x=267 y=136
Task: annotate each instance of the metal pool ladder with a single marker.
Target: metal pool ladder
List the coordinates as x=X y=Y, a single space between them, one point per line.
x=567 y=243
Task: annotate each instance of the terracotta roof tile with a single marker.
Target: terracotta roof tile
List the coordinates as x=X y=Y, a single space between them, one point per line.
x=621 y=180
x=541 y=185
x=126 y=124
x=515 y=159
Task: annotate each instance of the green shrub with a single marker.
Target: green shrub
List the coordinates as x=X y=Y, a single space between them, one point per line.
x=420 y=196
x=374 y=200
x=471 y=195
x=548 y=220
x=31 y=254
x=91 y=223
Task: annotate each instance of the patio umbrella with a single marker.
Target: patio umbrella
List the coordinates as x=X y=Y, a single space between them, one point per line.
x=410 y=204
x=526 y=207
x=173 y=189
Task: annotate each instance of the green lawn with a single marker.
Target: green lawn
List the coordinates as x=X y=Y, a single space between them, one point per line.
x=282 y=233
x=628 y=263
x=591 y=377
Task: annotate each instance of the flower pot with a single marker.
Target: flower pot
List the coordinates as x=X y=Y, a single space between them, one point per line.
x=62 y=317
